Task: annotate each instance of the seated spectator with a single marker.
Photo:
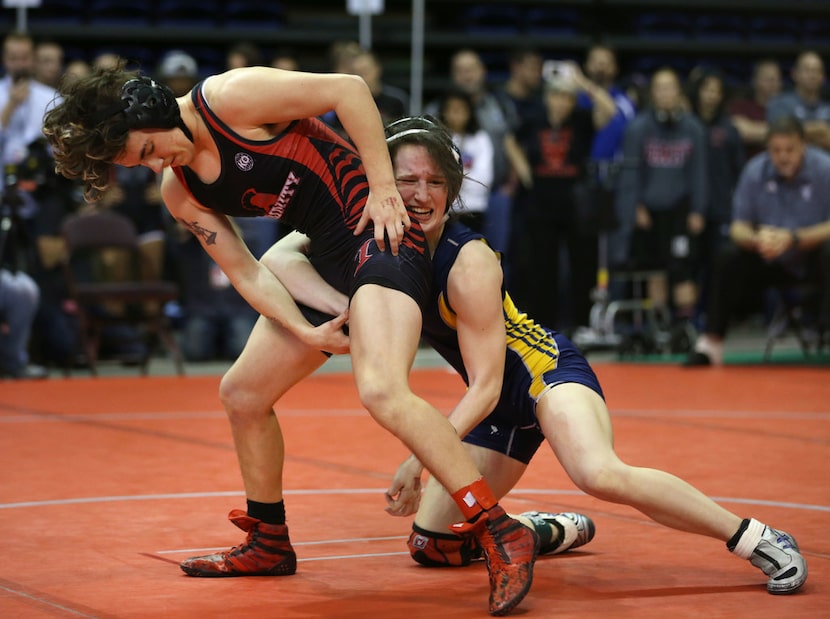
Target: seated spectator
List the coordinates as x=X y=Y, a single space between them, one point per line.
x=806 y=101
x=780 y=234
x=457 y=113
x=19 y=296
x=216 y=320
x=749 y=113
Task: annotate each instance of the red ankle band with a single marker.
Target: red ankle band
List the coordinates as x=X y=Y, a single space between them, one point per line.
x=474 y=499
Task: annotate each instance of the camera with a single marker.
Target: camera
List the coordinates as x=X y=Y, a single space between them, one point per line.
x=557 y=69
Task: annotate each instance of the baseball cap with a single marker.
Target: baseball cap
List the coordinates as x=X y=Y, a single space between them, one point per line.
x=178 y=64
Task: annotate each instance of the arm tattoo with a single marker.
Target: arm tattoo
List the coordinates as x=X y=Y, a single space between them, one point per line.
x=207 y=236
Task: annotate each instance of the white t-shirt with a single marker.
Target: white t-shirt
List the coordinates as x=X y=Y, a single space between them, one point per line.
x=477 y=157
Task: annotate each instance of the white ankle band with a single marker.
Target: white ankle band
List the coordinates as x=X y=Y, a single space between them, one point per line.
x=750 y=538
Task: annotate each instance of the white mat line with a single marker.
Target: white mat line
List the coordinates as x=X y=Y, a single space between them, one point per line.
x=319 y=543
x=336 y=491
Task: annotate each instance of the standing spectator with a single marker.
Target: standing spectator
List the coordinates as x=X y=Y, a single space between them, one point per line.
x=48 y=63
x=523 y=103
x=23 y=102
x=806 y=101
x=607 y=149
x=76 y=69
x=285 y=59
x=559 y=218
x=106 y=60
x=602 y=69
x=522 y=92
x=468 y=72
x=476 y=148
x=749 y=114
x=663 y=194
x=780 y=234
x=243 y=54
x=725 y=156
x=19 y=297
x=392 y=102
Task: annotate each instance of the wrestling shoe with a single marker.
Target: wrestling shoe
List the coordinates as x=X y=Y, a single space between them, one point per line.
x=776 y=554
x=561 y=532
x=266 y=552
x=510 y=550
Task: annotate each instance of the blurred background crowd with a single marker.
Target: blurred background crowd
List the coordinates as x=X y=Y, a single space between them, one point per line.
x=602 y=167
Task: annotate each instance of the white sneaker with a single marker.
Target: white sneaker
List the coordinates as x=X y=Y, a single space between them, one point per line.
x=776 y=554
x=561 y=532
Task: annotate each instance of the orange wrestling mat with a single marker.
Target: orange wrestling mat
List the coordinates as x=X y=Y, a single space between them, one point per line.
x=108 y=483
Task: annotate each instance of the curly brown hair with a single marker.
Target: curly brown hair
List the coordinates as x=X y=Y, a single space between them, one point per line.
x=85 y=140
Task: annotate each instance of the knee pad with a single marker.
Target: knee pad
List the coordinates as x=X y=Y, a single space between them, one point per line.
x=442 y=549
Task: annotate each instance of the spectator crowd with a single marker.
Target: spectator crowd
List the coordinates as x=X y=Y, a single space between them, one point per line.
x=717 y=190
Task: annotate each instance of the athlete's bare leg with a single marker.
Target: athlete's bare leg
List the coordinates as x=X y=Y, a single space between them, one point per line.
x=384 y=331
x=272 y=362
x=576 y=422
x=438 y=511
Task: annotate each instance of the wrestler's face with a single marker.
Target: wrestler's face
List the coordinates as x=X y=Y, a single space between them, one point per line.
x=155 y=149
x=423 y=188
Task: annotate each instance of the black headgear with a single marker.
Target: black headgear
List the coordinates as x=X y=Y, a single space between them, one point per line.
x=422 y=124
x=146 y=104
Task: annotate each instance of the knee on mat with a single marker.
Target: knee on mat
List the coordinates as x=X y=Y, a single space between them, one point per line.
x=441 y=550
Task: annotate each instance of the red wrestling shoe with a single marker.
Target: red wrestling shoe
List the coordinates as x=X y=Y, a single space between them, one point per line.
x=510 y=550
x=266 y=552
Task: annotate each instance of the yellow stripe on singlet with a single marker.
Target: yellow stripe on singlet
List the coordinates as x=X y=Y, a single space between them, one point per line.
x=537 y=350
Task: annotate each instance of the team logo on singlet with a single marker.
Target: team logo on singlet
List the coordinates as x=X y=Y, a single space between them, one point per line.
x=244 y=161
x=273 y=205
x=363 y=254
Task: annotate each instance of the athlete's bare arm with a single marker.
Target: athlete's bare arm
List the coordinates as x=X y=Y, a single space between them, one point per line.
x=474 y=289
x=257 y=285
x=261 y=100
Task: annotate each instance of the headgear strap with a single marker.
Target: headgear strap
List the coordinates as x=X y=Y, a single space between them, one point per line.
x=428 y=126
x=146 y=104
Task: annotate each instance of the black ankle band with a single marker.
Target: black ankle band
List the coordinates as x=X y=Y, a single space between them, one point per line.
x=269 y=513
x=433 y=534
x=734 y=541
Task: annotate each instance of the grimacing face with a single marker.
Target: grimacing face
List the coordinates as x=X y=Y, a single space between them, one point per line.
x=422 y=186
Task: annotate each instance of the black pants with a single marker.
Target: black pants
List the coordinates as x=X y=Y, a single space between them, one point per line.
x=740 y=275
